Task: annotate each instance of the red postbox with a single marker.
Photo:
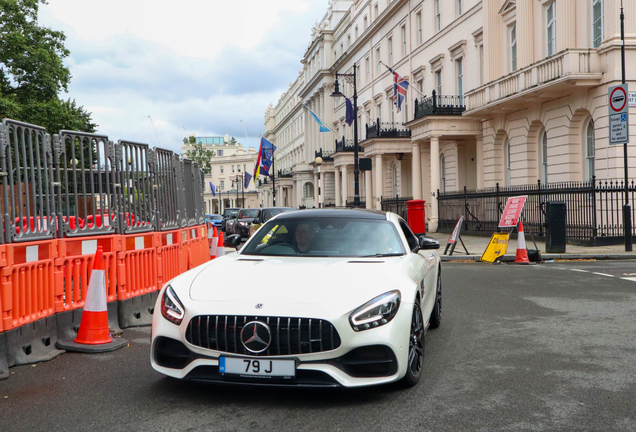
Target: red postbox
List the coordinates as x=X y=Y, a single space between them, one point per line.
x=416 y=216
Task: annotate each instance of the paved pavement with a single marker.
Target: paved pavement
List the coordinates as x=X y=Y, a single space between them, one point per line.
x=476 y=246
x=548 y=347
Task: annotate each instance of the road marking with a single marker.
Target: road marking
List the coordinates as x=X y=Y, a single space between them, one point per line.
x=603 y=274
x=579 y=270
x=633 y=279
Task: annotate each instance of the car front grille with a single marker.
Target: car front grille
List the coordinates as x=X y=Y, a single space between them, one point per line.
x=289 y=336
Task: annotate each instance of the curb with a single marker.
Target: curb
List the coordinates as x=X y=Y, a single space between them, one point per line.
x=546 y=257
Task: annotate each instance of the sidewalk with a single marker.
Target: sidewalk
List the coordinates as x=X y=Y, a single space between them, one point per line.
x=476 y=246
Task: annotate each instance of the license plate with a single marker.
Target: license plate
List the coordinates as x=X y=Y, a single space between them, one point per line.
x=257 y=367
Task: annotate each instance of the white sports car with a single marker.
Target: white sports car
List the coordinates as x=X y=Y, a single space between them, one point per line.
x=324 y=297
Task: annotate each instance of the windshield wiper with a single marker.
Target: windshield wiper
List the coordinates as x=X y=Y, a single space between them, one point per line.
x=380 y=255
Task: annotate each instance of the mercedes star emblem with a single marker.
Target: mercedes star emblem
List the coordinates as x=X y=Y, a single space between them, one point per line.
x=259 y=305
x=256 y=336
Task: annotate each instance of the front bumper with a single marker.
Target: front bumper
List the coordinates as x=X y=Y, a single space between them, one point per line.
x=244 y=231
x=372 y=357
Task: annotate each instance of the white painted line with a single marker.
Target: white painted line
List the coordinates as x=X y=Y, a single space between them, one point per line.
x=633 y=279
x=139 y=243
x=32 y=254
x=579 y=270
x=603 y=274
x=89 y=247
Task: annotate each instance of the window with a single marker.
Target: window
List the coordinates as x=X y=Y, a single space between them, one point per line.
x=513 y=47
x=378 y=110
x=438 y=82
x=403 y=41
x=589 y=151
x=348 y=41
x=438 y=16
x=308 y=190
x=481 y=64
x=366 y=23
x=410 y=237
x=377 y=60
x=356 y=33
x=335 y=55
x=222 y=184
x=395 y=183
x=507 y=162
x=459 y=67
x=405 y=107
x=390 y=51
x=367 y=69
x=341 y=48
x=219 y=152
x=442 y=173
x=550 y=24
x=221 y=169
x=459 y=7
x=232 y=168
x=244 y=167
x=238 y=168
x=597 y=23
x=418 y=20
x=392 y=111
x=420 y=86
x=376 y=11
x=544 y=158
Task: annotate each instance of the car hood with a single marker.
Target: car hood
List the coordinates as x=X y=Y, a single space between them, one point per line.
x=348 y=282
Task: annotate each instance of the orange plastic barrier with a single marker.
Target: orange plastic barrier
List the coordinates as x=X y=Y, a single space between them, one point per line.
x=73 y=268
x=137 y=266
x=169 y=252
x=27 y=283
x=3 y=263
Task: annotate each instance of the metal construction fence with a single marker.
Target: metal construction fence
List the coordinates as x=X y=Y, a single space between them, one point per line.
x=594 y=209
x=81 y=184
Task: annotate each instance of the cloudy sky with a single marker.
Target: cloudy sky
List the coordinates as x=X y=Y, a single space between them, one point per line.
x=194 y=66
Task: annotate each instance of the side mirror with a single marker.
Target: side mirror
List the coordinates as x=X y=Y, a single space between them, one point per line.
x=428 y=243
x=255 y=221
x=233 y=240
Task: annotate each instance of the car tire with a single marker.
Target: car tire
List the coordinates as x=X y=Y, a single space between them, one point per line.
x=436 y=315
x=415 y=359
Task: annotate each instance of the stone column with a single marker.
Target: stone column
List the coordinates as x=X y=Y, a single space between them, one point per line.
x=493 y=29
x=435 y=183
x=566 y=24
x=337 y=186
x=368 y=189
x=416 y=171
x=479 y=152
x=378 y=186
x=345 y=184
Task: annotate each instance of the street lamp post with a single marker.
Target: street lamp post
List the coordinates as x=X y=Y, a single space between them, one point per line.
x=356 y=172
x=318 y=163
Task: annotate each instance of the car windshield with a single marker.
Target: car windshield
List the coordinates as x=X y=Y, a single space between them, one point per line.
x=270 y=213
x=216 y=218
x=228 y=212
x=248 y=213
x=326 y=237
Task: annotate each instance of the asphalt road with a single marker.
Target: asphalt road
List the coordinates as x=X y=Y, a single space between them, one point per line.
x=540 y=348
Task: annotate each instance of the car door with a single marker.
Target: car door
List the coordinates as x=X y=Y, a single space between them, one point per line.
x=417 y=261
x=426 y=263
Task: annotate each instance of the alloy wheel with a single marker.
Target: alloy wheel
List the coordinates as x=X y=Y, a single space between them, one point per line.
x=416 y=342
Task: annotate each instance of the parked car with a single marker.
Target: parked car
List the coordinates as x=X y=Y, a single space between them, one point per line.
x=227 y=214
x=334 y=297
x=215 y=220
x=243 y=221
x=266 y=214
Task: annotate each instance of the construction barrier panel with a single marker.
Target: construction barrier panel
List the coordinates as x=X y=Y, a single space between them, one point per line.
x=169 y=252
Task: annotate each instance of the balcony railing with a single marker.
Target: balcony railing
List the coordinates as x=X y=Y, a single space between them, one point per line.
x=572 y=63
x=387 y=130
x=285 y=173
x=326 y=155
x=440 y=105
x=347 y=146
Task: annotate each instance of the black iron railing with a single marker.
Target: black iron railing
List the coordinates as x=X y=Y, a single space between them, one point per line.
x=326 y=155
x=285 y=173
x=594 y=209
x=387 y=130
x=395 y=204
x=349 y=202
x=440 y=105
x=346 y=145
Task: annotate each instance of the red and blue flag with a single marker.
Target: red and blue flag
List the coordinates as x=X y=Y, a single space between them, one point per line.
x=400 y=84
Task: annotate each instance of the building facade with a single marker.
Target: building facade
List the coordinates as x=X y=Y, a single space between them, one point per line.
x=502 y=93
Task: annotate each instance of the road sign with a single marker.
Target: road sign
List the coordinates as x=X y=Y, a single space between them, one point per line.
x=512 y=212
x=497 y=247
x=631 y=97
x=455 y=234
x=619 y=128
x=618 y=100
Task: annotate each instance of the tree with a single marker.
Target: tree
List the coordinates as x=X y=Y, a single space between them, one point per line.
x=201 y=155
x=32 y=71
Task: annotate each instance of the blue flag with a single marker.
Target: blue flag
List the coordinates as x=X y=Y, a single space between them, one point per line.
x=349 y=114
x=323 y=128
x=248 y=177
x=267 y=155
x=213 y=189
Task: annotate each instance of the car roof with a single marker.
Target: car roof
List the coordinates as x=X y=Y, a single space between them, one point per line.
x=338 y=212
x=278 y=208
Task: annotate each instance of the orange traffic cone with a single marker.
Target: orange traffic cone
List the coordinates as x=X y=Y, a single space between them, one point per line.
x=214 y=239
x=220 y=249
x=522 y=252
x=93 y=334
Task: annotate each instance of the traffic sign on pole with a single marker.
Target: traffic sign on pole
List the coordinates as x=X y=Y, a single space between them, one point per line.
x=618 y=114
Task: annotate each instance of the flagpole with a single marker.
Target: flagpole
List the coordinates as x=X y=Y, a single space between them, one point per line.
x=323 y=122
x=273 y=178
x=409 y=86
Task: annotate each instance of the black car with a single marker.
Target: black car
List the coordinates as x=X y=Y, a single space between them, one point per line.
x=266 y=214
x=227 y=215
x=242 y=223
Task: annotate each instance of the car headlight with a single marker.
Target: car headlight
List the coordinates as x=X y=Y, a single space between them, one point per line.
x=244 y=224
x=171 y=307
x=377 y=312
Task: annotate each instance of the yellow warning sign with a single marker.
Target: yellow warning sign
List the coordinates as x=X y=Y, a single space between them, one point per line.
x=497 y=247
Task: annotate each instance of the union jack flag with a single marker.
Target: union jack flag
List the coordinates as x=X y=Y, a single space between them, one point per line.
x=400 y=85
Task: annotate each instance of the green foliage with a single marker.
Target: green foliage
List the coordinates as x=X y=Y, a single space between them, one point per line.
x=32 y=72
x=232 y=141
x=202 y=156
